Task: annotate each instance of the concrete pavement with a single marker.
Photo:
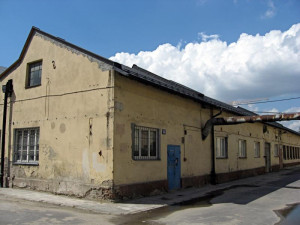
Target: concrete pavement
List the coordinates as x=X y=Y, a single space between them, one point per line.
x=153 y=202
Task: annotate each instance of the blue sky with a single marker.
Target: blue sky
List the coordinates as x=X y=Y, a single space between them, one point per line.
x=218 y=47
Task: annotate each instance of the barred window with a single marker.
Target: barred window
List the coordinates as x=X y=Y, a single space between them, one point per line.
x=26 y=149
x=34 y=74
x=221 y=147
x=256 y=149
x=242 y=149
x=145 y=143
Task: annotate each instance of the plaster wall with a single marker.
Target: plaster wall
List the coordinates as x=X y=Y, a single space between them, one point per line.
x=252 y=132
x=73 y=108
x=147 y=106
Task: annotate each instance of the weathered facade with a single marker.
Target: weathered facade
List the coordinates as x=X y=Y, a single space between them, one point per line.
x=82 y=125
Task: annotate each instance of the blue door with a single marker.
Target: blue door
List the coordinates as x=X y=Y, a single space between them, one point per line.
x=173 y=167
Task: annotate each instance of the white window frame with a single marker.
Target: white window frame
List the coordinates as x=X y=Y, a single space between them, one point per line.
x=20 y=149
x=242 y=148
x=221 y=147
x=137 y=143
x=257 y=149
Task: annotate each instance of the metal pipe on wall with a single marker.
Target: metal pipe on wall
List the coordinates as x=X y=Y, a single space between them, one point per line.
x=7 y=90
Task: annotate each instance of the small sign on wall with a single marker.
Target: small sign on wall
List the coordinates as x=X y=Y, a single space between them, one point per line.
x=164 y=131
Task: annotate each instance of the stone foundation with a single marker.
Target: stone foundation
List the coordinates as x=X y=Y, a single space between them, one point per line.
x=140 y=189
x=291 y=164
x=196 y=181
x=69 y=188
x=225 y=177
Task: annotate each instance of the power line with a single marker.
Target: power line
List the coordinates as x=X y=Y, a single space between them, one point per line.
x=261 y=102
x=275 y=112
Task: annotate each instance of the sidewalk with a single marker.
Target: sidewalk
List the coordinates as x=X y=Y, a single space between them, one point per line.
x=147 y=203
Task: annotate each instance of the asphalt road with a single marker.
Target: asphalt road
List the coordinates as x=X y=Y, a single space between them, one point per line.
x=19 y=211
x=253 y=201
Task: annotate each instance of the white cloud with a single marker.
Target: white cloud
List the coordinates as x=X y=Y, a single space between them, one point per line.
x=294 y=125
x=204 y=37
x=200 y=2
x=252 y=67
x=271 y=11
x=292 y=110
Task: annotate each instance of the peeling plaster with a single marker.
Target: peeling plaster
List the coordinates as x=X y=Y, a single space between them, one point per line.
x=99 y=167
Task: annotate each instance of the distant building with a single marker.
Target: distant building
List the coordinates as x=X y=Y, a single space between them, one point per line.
x=80 y=124
x=2 y=69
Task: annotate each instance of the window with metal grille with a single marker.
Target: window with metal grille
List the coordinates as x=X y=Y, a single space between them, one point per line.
x=256 y=149
x=34 y=74
x=221 y=147
x=242 y=149
x=145 y=143
x=26 y=149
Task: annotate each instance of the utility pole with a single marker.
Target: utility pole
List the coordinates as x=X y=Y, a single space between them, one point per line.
x=7 y=90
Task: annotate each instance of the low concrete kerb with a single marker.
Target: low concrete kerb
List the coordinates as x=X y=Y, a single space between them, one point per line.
x=136 y=205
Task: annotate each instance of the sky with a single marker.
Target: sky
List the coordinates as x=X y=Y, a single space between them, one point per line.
x=232 y=50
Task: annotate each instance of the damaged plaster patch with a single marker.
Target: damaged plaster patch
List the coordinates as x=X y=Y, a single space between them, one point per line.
x=101 y=65
x=62 y=128
x=99 y=167
x=119 y=106
x=120 y=129
x=50 y=153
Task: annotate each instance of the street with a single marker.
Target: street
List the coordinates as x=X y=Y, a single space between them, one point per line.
x=18 y=211
x=254 y=200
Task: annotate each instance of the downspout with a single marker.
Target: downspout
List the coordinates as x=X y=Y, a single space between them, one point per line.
x=7 y=90
x=246 y=119
x=213 y=162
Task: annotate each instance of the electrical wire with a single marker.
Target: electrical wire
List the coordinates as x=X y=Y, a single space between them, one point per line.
x=59 y=95
x=261 y=102
x=275 y=112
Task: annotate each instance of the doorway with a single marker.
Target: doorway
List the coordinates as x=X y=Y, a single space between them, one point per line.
x=174 y=167
x=268 y=157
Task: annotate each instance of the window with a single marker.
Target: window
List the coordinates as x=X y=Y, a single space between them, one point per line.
x=27 y=146
x=256 y=149
x=221 y=147
x=242 y=148
x=284 y=153
x=276 y=150
x=145 y=143
x=34 y=74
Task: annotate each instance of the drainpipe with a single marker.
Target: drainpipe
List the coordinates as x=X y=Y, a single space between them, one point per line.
x=213 y=162
x=7 y=90
x=246 y=119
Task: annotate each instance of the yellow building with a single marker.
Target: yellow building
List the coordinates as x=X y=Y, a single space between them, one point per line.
x=82 y=125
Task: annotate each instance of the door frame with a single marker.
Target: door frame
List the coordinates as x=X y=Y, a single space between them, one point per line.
x=174 y=181
x=268 y=157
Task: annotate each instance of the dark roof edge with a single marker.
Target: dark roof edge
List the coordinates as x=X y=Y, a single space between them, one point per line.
x=35 y=29
x=137 y=73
